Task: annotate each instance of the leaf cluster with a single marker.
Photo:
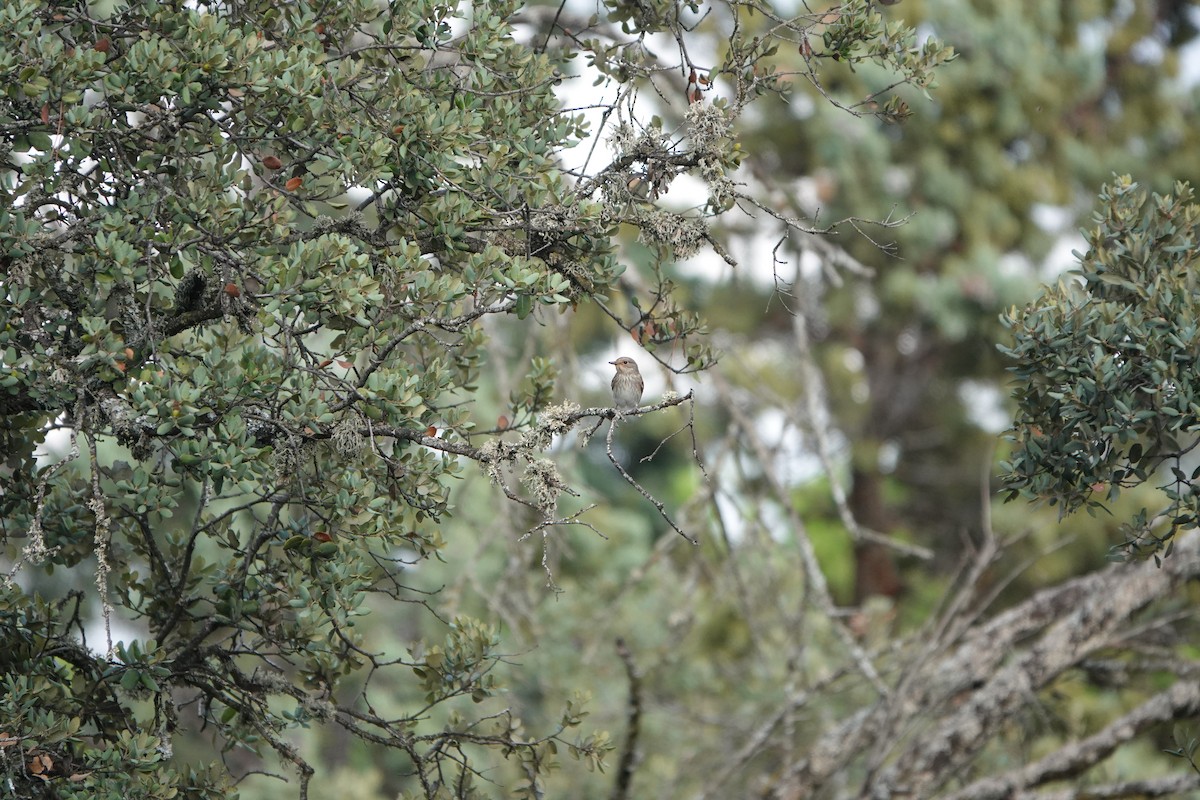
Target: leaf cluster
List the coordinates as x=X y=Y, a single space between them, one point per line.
x=1106 y=363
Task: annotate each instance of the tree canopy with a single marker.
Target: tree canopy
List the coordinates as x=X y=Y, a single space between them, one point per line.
x=308 y=473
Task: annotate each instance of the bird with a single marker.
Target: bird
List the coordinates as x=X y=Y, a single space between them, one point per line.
x=627 y=384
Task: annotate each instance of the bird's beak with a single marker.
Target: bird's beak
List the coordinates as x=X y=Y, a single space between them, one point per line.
x=613 y=363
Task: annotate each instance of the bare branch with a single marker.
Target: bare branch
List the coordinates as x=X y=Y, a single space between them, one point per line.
x=1181 y=701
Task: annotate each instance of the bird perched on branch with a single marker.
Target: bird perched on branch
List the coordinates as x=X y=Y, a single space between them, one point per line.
x=627 y=384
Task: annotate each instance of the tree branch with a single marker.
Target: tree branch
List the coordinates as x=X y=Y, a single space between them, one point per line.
x=1181 y=701
x=958 y=701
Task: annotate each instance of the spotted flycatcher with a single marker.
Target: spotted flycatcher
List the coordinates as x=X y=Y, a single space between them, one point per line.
x=627 y=385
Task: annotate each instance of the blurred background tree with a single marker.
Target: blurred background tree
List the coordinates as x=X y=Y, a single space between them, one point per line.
x=315 y=299
x=993 y=174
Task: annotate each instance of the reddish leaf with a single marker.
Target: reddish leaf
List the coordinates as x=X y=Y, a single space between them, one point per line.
x=431 y=431
x=322 y=536
x=103 y=44
x=232 y=290
x=293 y=184
x=502 y=423
x=272 y=162
x=45 y=113
x=40 y=764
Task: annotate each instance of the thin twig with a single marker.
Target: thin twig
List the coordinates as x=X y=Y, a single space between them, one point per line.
x=102 y=538
x=654 y=501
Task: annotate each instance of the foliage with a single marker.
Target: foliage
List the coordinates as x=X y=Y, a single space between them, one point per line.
x=312 y=296
x=1105 y=362
x=249 y=253
x=59 y=697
